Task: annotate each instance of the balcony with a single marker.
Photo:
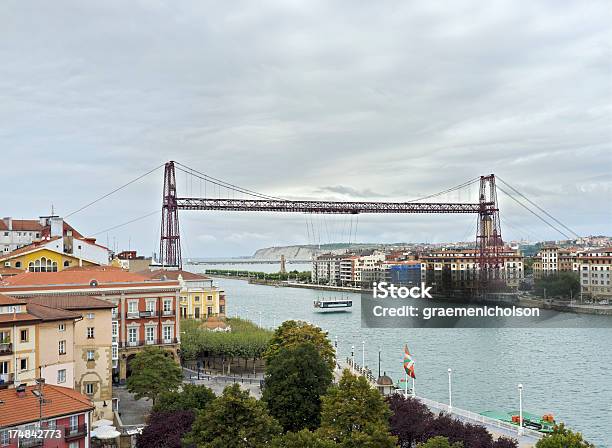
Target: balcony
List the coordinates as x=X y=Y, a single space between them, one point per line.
x=6 y=348
x=167 y=313
x=6 y=379
x=147 y=313
x=143 y=342
x=30 y=443
x=133 y=315
x=75 y=432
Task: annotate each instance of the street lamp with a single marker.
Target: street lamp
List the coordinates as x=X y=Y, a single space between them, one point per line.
x=353 y=357
x=260 y=318
x=247 y=313
x=379 y=350
x=520 y=388
x=450 y=391
x=363 y=354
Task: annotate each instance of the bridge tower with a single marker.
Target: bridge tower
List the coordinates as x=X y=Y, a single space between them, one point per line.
x=489 y=242
x=170 y=241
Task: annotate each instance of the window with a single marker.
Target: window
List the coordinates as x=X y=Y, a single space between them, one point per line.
x=115 y=352
x=132 y=335
x=61 y=327
x=150 y=306
x=90 y=332
x=167 y=333
x=23 y=335
x=74 y=423
x=89 y=388
x=167 y=306
x=61 y=347
x=91 y=355
x=4 y=438
x=23 y=364
x=66 y=263
x=61 y=376
x=18 y=264
x=90 y=315
x=115 y=332
x=133 y=306
x=150 y=334
x=197 y=298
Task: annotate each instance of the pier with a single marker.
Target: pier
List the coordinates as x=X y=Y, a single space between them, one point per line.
x=527 y=438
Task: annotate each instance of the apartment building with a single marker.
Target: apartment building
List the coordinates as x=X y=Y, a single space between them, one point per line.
x=65 y=411
x=199 y=298
x=552 y=259
x=18 y=338
x=595 y=267
x=146 y=311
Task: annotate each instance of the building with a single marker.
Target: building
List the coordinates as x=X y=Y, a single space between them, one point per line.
x=552 y=259
x=15 y=233
x=146 y=310
x=95 y=349
x=18 y=339
x=199 y=297
x=595 y=268
x=63 y=410
x=131 y=261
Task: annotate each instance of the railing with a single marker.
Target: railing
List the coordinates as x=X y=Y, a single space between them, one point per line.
x=30 y=443
x=142 y=342
x=132 y=314
x=6 y=379
x=479 y=418
x=167 y=313
x=74 y=432
x=6 y=348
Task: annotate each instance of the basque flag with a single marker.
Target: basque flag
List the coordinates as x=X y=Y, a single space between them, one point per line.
x=408 y=362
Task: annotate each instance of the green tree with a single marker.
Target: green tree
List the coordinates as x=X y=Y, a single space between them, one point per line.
x=561 y=284
x=354 y=414
x=296 y=377
x=293 y=332
x=233 y=420
x=439 y=442
x=302 y=439
x=153 y=371
x=562 y=437
x=190 y=397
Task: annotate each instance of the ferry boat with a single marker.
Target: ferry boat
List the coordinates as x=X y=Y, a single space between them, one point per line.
x=333 y=305
x=544 y=424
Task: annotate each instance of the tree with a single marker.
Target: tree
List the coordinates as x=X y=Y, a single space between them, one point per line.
x=505 y=442
x=410 y=420
x=561 y=437
x=293 y=332
x=439 y=442
x=233 y=420
x=153 y=371
x=296 y=377
x=354 y=414
x=190 y=397
x=165 y=429
x=302 y=439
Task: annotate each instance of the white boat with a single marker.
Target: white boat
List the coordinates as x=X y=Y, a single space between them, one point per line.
x=333 y=305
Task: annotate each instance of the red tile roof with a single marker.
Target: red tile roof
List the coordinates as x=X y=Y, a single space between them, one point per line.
x=71 y=302
x=17 y=317
x=47 y=313
x=29 y=248
x=8 y=300
x=10 y=271
x=75 y=276
x=61 y=401
x=32 y=225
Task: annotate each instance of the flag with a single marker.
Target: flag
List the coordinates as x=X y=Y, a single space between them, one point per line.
x=408 y=363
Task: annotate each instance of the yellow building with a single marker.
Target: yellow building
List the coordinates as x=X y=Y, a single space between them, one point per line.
x=199 y=297
x=39 y=258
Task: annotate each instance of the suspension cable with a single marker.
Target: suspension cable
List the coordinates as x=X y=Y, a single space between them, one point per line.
x=114 y=191
x=126 y=223
x=448 y=190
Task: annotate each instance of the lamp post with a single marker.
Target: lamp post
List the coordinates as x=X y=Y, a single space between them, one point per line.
x=379 y=350
x=450 y=391
x=520 y=389
x=363 y=354
x=353 y=357
x=260 y=319
x=247 y=313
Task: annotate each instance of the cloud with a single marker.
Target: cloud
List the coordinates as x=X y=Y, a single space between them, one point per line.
x=388 y=100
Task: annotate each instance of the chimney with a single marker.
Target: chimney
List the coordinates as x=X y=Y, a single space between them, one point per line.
x=21 y=390
x=57 y=226
x=9 y=222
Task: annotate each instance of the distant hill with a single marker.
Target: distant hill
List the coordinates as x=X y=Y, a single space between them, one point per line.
x=306 y=251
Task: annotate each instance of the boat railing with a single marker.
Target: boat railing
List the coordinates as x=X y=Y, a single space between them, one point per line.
x=479 y=418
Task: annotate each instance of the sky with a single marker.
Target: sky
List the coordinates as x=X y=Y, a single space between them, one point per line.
x=340 y=100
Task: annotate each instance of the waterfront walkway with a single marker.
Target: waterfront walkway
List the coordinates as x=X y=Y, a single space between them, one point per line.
x=497 y=428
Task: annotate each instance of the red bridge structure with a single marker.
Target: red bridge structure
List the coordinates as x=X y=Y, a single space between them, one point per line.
x=488 y=232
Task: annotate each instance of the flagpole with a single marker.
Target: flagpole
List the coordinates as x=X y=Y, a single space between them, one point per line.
x=406 y=383
x=413 y=393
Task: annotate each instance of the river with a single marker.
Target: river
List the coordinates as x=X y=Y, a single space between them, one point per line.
x=567 y=372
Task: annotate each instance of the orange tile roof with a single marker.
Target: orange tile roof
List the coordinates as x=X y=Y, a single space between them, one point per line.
x=27 y=224
x=71 y=302
x=8 y=300
x=75 y=276
x=48 y=313
x=10 y=271
x=61 y=401
x=17 y=318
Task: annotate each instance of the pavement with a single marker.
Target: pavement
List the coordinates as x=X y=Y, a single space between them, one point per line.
x=131 y=411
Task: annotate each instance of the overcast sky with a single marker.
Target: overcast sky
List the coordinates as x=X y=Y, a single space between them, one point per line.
x=305 y=99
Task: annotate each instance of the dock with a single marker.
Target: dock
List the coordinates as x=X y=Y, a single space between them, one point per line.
x=497 y=428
